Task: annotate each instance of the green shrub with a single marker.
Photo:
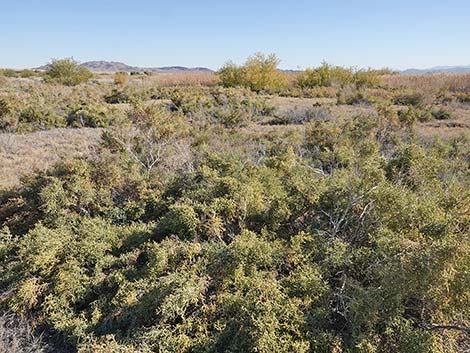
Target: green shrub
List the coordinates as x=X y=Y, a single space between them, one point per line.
x=181 y=220
x=441 y=114
x=39 y=117
x=8 y=120
x=327 y=75
x=92 y=114
x=301 y=116
x=366 y=78
x=67 y=72
x=8 y=73
x=117 y=97
x=414 y=99
x=181 y=234
x=463 y=98
x=231 y=75
x=5 y=107
x=259 y=73
x=27 y=73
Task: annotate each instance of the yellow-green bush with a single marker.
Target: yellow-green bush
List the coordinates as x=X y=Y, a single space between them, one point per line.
x=327 y=75
x=259 y=73
x=67 y=72
x=184 y=233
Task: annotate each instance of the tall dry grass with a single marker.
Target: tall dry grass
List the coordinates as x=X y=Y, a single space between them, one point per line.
x=444 y=81
x=181 y=79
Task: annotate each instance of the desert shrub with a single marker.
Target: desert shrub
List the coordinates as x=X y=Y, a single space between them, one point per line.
x=8 y=119
x=8 y=73
x=27 y=73
x=352 y=96
x=181 y=234
x=414 y=99
x=121 y=78
x=86 y=116
x=356 y=256
x=441 y=114
x=116 y=97
x=5 y=107
x=153 y=139
x=301 y=116
x=463 y=98
x=327 y=75
x=39 y=117
x=67 y=72
x=315 y=77
x=259 y=73
x=411 y=115
x=231 y=75
x=232 y=116
x=366 y=78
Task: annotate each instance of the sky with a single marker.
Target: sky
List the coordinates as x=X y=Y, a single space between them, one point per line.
x=397 y=34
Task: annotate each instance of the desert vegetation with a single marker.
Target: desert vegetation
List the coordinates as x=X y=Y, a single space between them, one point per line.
x=249 y=210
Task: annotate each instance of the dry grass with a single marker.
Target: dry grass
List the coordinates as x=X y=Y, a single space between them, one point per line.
x=446 y=129
x=22 y=154
x=19 y=335
x=451 y=82
x=171 y=79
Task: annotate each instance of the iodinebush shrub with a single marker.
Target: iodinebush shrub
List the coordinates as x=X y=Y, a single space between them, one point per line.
x=441 y=114
x=301 y=116
x=229 y=107
x=414 y=99
x=349 y=236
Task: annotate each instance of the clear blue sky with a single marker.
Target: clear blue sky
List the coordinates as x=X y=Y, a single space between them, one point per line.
x=377 y=33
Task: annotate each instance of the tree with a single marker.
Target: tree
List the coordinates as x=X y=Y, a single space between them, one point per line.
x=259 y=73
x=67 y=72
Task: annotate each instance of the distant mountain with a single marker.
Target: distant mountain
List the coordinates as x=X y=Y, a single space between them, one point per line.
x=114 y=66
x=438 y=69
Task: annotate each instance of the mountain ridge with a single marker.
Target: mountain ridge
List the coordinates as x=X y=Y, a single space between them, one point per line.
x=461 y=69
x=116 y=66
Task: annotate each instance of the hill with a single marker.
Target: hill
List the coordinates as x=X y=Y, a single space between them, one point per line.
x=438 y=69
x=114 y=66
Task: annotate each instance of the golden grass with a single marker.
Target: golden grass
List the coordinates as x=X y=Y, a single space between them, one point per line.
x=23 y=154
x=178 y=79
x=451 y=82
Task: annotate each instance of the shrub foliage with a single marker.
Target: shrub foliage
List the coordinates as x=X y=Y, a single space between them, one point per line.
x=353 y=237
x=67 y=72
x=259 y=73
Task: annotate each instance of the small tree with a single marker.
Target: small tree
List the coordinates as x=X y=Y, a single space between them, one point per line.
x=231 y=75
x=325 y=75
x=259 y=73
x=67 y=72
